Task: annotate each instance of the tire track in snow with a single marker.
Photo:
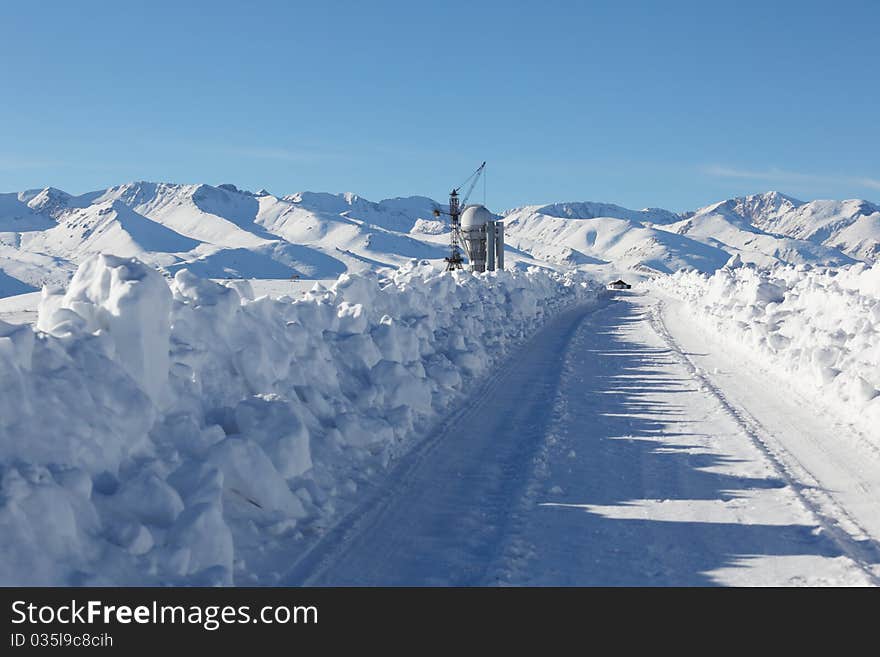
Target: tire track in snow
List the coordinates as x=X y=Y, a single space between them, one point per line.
x=341 y=541
x=336 y=543
x=515 y=552
x=829 y=514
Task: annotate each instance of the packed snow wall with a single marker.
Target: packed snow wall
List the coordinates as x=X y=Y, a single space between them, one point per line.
x=178 y=433
x=818 y=327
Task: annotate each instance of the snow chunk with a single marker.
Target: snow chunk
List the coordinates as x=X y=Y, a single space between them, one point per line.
x=150 y=500
x=131 y=302
x=250 y=475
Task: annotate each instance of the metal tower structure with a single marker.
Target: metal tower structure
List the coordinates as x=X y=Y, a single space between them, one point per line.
x=454 y=259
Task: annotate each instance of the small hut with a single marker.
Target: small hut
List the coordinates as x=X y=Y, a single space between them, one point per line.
x=619 y=285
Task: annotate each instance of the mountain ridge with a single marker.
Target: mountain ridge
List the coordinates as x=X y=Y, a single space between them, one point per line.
x=223 y=231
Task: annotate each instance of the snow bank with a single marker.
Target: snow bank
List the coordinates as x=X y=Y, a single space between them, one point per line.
x=160 y=433
x=821 y=327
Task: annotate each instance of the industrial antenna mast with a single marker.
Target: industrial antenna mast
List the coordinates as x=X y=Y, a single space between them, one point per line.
x=455 y=209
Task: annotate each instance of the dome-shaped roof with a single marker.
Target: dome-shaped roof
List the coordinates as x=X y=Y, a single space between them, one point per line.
x=475 y=216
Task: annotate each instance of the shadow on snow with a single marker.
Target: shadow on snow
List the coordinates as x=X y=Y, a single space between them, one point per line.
x=626 y=454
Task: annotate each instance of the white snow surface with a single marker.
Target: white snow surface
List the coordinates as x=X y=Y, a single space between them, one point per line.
x=817 y=327
x=177 y=433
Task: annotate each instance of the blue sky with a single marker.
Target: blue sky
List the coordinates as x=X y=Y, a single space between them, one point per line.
x=672 y=104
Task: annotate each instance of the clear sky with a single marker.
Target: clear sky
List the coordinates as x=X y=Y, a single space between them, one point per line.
x=672 y=104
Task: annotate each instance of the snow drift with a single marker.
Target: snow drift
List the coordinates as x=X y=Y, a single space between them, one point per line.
x=819 y=327
x=176 y=433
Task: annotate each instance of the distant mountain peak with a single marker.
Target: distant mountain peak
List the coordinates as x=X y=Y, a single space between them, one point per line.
x=756 y=209
x=775 y=196
x=50 y=201
x=761 y=209
x=593 y=210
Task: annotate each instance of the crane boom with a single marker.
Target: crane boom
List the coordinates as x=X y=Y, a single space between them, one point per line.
x=475 y=176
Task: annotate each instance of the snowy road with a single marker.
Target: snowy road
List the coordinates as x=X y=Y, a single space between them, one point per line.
x=620 y=447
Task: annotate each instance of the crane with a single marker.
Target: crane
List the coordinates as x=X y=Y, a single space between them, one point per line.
x=455 y=208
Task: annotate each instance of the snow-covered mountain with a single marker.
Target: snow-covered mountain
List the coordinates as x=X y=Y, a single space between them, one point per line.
x=766 y=229
x=586 y=234
x=225 y=232
x=851 y=227
x=220 y=232
x=734 y=227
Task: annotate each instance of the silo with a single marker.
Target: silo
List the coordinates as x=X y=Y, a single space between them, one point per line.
x=482 y=235
x=473 y=234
